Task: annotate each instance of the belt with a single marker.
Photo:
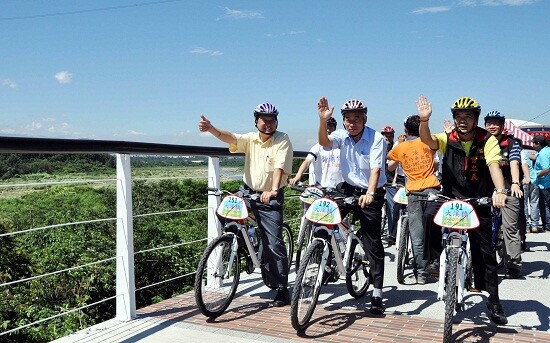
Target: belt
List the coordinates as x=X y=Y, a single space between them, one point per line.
x=250 y=190
x=359 y=190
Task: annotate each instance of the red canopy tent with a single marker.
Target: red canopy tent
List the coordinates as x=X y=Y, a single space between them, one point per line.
x=518 y=133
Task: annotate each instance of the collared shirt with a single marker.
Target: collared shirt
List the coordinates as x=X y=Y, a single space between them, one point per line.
x=543 y=163
x=357 y=159
x=262 y=158
x=325 y=167
x=491 y=149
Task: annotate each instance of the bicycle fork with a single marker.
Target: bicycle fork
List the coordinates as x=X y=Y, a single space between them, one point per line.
x=453 y=240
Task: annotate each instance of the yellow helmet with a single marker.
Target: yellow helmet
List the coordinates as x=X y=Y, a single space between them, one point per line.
x=466 y=103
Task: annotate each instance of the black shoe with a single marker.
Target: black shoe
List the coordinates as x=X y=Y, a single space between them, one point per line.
x=524 y=247
x=390 y=240
x=376 y=305
x=433 y=268
x=282 y=298
x=497 y=313
x=513 y=273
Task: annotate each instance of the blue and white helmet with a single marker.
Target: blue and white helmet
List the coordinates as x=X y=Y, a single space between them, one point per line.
x=495 y=115
x=265 y=108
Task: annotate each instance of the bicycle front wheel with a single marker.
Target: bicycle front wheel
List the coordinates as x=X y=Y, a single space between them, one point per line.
x=403 y=250
x=217 y=277
x=303 y=240
x=357 y=271
x=450 y=293
x=307 y=286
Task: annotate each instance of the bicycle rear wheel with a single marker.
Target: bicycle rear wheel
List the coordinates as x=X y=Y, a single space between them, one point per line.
x=357 y=271
x=289 y=243
x=215 y=281
x=307 y=286
x=450 y=293
x=403 y=250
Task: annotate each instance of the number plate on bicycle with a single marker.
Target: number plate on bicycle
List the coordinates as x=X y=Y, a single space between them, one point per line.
x=400 y=196
x=233 y=207
x=324 y=211
x=457 y=214
x=311 y=194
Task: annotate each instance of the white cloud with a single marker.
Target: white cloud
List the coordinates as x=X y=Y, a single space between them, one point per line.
x=436 y=9
x=8 y=131
x=236 y=14
x=472 y=3
x=64 y=77
x=46 y=125
x=9 y=83
x=289 y=33
x=136 y=133
x=198 y=50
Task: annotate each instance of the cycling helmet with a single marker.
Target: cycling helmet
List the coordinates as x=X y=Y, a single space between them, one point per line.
x=495 y=115
x=353 y=105
x=388 y=129
x=466 y=103
x=332 y=121
x=265 y=108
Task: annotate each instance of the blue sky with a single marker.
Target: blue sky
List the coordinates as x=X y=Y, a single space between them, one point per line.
x=143 y=70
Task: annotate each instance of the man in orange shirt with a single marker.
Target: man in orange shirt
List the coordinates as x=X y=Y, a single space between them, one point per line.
x=417 y=160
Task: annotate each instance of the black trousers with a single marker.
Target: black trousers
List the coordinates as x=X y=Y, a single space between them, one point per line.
x=370 y=219
x=484 y=259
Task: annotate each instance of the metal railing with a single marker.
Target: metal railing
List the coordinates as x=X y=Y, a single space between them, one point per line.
x=125 y=277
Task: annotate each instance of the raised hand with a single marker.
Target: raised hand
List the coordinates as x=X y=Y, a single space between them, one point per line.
x=323 y=108
x=448 y=126
x=204 y=124
x=424 y=108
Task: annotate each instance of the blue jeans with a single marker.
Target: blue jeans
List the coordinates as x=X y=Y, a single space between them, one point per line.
x=392 y=211
x=531 y=198
x=419 y=237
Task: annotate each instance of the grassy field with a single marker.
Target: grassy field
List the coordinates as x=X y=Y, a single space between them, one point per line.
x=19 y=186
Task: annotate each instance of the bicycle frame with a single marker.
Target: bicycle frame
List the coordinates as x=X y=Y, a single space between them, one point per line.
x=401 y=198
x=233 y=208
x=325 y=215
x=456 y=217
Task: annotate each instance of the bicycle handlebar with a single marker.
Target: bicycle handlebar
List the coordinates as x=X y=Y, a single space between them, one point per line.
x=442 y=198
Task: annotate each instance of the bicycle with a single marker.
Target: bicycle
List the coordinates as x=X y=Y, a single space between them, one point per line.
x=218 y=272
x=307 y=197
x=456 y=217
x=403 y=241
x=334 y=250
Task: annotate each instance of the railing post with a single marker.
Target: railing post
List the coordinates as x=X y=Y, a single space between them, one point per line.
x=125 y=279
x=214 y=226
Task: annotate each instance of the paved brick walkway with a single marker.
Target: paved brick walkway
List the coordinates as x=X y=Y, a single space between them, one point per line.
x=254 y=315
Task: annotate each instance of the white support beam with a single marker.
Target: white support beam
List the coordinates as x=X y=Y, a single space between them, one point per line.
x=214 y=226
x=125 y=279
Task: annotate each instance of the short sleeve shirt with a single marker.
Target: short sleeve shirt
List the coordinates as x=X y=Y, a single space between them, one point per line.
x=417 y=160
x=491 y=149
x=326 y=165
x=262 y=158
x=358 y=159
x=543 y=163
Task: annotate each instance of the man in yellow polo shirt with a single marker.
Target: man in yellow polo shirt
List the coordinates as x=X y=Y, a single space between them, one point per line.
x=471 y=169
x=268 y=162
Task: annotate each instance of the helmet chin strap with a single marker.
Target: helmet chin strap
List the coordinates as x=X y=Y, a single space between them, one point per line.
x=265 y=133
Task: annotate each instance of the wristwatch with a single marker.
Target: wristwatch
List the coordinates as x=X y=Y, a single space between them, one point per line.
x=370 y=193
x=501 y=191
